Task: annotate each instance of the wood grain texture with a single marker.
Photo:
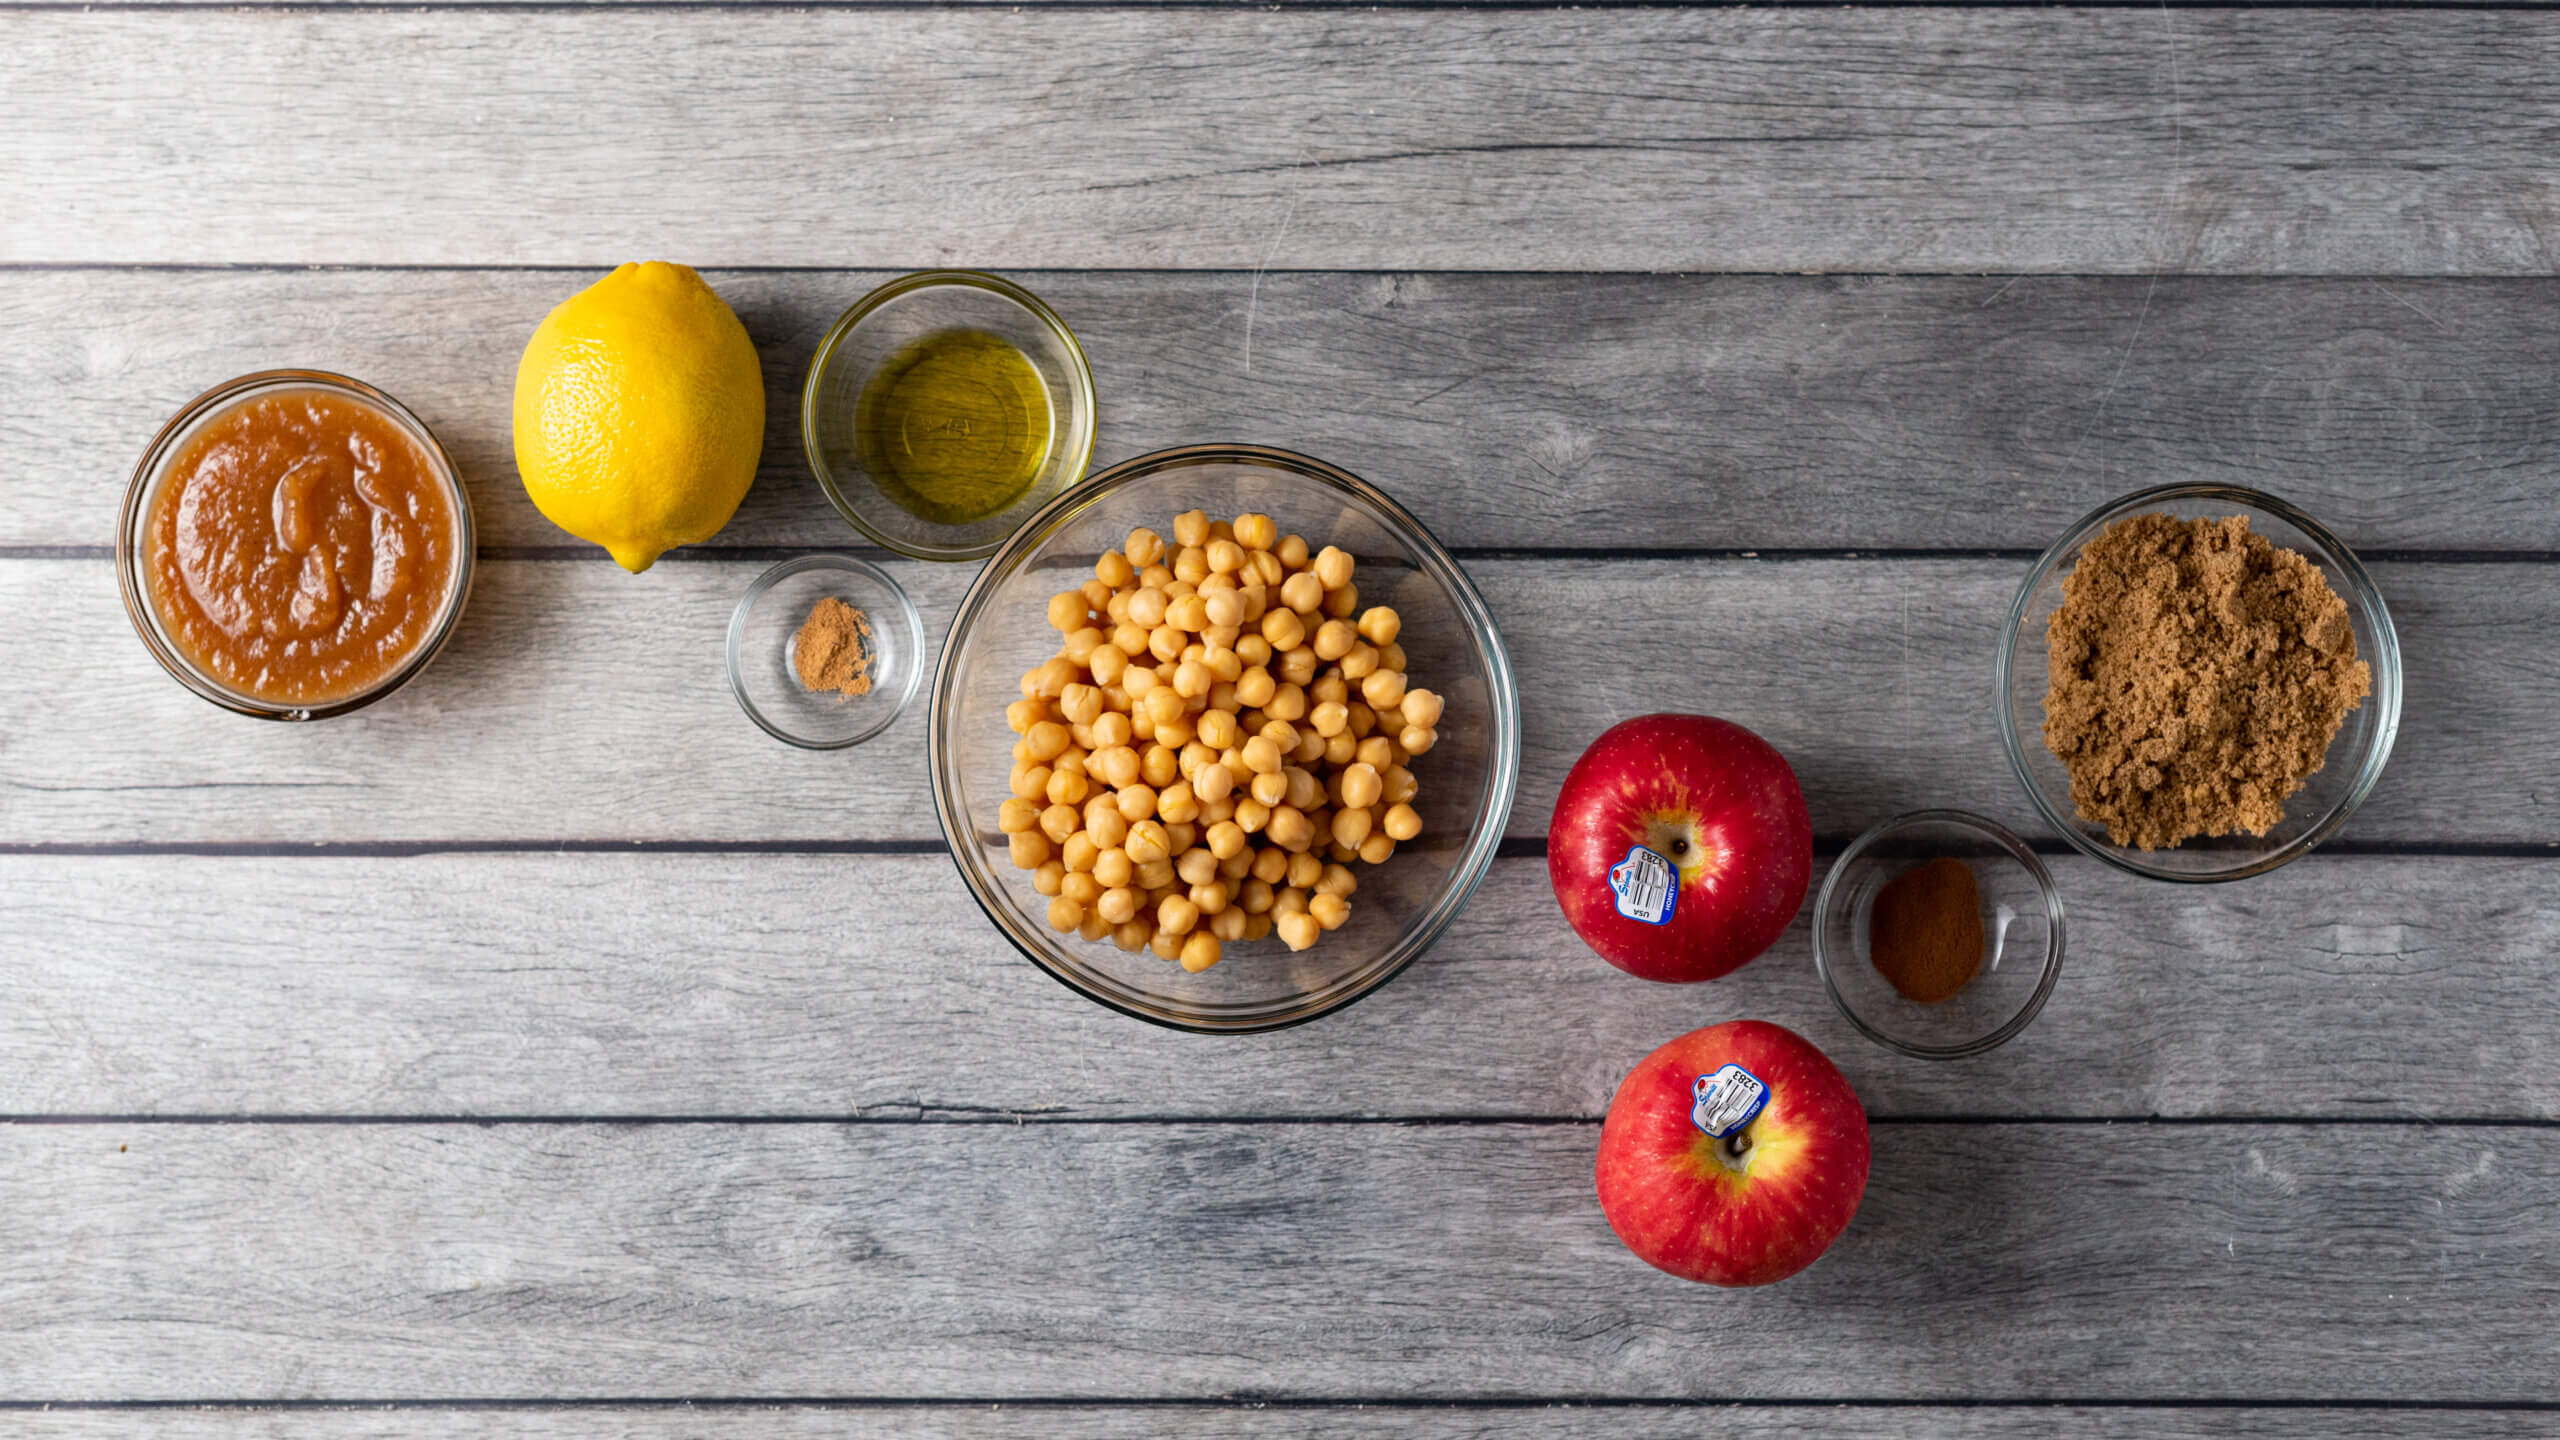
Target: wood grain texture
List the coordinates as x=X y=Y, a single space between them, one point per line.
x=1507 y=410
x=577 y=702
x=1327 y=1262
x=1249 y=1421
x=869 y=986
x=2096 y=141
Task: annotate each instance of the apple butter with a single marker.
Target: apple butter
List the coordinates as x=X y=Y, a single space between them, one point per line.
x=302 y=547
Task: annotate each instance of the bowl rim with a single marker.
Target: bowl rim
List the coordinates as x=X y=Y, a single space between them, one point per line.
x=2361 y=593
x=1474 y=864
x=2018 y=850
x=1079 y=375
x=144 y=613
x=782 y=570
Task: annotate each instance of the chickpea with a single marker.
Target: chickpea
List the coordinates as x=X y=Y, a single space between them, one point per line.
x=1226 y=839
x=1384 y=689
x=1079 y=851
x=1288 y=702
x=1304 y=871
x=1200 y=952
x=1334 y=639
x=1402 y=822
x=1218 y=729
x=1270 y=787
x=1377 y=752
x=1131 y=934
x=1297 y=930
x=1117 y=767
x=1329 y=718
x=1350 y=827
x=1148 y=843
x=1112 y=869
x=1284 y=630
x=1067 y=611
x=1417 y=740
x=1399 y=785
x=1180 y=836
x=1054 y=677
x=1058 y=822
x=1144 y=548
x=1361 y=786
x=1271 y=866
x=1224 y=608
x=1114 y=570
x=1158 y=766
x=1229 y=925
x=1050 y=878
x=1017 y=815
x=1191 y=527
x=1080 y=886
x=1255 y=688
x=1081 y=704
x=1329 y=910
x=1303 y=593
x=1156 y=875
x=1226 y=557
x=1214 y=782
x=1109 y=664
x=1290 y=829
x=1333 y=566
x=1337 y=880
x=1280 y=733
x=1189 y=613
x=1378 y=848
x=1380 y=625
x=1224 y=664
x=1196 y=867
x=1176 y=915
x=1342 y=604
x=1262 y=756
x=1359 y=662
x=1268 y=569
x=1046 y=740
x=1065 y=914
x=1117 y=905
x=1255 y=531
x=1297 y=667
x=1024 y=713
x=1166 y=946
x=1165 y=642
x=1252 y=815
x=1422 y=709
x=1068 y=787
x=1191 y=566
x=1340 y=750
x=1305 y=790
x=1211 y=895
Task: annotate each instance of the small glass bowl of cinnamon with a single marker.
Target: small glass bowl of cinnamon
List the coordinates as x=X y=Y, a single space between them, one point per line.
x=1938 y=934
x=825 y=651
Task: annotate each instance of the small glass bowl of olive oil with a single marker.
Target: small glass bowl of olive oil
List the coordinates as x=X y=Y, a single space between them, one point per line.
x=944 y=409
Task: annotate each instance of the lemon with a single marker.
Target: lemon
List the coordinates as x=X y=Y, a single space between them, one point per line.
x=639 y=413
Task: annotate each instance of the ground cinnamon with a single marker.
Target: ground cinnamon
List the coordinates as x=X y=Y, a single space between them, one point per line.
x=1924 y=932
x=2196 y=675
x=833 y=649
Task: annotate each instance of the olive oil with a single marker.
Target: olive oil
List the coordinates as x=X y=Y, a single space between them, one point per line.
x=954 y=427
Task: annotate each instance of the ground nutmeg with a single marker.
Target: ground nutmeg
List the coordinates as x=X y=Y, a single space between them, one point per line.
x=833 y=649
x=1924 y=932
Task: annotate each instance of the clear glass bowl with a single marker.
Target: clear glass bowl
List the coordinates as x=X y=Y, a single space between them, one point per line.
x=2327 y=798
x=2022 y=931
x=766 y=624
x=1467 y=780
x=885 y=322
x=153 y=472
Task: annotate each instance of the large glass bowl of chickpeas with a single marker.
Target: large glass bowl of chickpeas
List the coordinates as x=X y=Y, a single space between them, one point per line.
x=1222 y=738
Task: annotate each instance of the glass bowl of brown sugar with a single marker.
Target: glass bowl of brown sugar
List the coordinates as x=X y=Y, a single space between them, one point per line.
x=1938 y=934
x=2184 y=733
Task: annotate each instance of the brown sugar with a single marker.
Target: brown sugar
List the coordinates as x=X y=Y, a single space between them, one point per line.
x=1924 y=932
x=833 y=649
x=2197 y=673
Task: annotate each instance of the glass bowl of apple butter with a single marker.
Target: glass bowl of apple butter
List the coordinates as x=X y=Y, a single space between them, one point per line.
x=294 y=545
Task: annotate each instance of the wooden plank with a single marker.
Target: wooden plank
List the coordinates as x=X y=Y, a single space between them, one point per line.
x=578 y=702
x=2092 y=141
x=783 y=985
x=1252 y=1421
x=1507 y=410
x=1320 y=1262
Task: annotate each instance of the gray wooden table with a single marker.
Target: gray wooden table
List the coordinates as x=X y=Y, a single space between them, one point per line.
x=547 y=1051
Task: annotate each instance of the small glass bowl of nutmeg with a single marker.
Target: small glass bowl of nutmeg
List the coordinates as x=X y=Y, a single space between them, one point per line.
x=1939 y=934
x=1444 y=816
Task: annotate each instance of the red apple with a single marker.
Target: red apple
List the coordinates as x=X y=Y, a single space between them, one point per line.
x=1680 y=846
x=1756 y=1204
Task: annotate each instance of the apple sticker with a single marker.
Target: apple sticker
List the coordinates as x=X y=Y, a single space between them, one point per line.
x=1644 y=887
x=1726 y=1100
